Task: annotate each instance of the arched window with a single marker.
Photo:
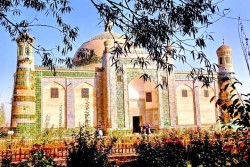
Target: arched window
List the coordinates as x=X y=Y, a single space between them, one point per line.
x=20 y=51
x=27 y=50
x=220 y=60
x=227 y=59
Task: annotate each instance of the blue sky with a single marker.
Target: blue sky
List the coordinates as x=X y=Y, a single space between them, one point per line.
x=86 y=18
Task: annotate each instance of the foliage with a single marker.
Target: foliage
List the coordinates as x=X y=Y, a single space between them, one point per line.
x=38 y=158
x=3 y=134
x=10 y=10
x=119 y=133
x=87 y=113
x=161 y=153
x=6 y=161
x=166 y=29
x=86 y=57
x=201 y=152
x=60 y=130
x=88 y=151
x=202 y=148
x=238 y=107
x=2 y=115
x=218 y=152
x=44 y=136
x=225 y=148
x=166 y=123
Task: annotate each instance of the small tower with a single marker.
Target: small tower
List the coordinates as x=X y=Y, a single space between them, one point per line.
x=23 y=101
x=107 y=84
x=224 y=54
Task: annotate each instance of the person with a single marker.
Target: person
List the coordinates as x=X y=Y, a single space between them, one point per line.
x=148 y=130
x=100 y=132
x=143 y=131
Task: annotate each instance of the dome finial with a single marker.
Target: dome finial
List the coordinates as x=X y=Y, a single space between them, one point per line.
x=108 y=25
x=223 y=40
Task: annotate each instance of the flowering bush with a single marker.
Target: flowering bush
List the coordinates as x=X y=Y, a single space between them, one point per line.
x=203 y=148
x=185 y=147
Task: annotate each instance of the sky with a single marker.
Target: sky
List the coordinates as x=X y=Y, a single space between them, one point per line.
x=86 y=17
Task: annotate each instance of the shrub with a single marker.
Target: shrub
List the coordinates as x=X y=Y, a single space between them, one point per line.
x=219 y=152
x=203 y=153
x=6 y=161
x=38 y=158
x=88 y=150
x=3 y=134
x=161 y=153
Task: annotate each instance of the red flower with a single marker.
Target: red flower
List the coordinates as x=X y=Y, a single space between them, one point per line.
x=236 y=151
x=227 y=148
x=242 y=144
x=245 y=157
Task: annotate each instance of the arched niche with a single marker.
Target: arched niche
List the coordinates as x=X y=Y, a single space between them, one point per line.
x=53 y=106
x=185 y=105
x=207 y=109
x=84 y=104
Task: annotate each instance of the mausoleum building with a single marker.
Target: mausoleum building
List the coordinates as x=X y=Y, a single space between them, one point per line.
x=94 y=93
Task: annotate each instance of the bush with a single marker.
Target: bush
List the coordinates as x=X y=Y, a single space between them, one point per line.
x=6 y=161
x=88 y=150
x=161 y=153
x=226 y=149
x=3 y=134
x=203 y=153
x=38 y=158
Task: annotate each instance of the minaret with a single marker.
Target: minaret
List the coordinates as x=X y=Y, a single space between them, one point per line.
x=106 y=84
x=224 y=54
x=23 y=101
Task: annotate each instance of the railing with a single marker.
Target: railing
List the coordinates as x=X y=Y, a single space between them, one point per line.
x=18 y=155
x=123 y=148
x=15 y=143
x=121 y=152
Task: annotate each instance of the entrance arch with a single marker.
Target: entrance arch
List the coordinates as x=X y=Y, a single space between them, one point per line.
x=143 y=103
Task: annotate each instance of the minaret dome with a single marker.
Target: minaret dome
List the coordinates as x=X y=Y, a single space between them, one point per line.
x=224 y=54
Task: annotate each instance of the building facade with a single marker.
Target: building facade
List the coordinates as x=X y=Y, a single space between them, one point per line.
x=93 y=93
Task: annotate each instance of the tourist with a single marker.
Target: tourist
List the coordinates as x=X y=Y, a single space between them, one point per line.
x=143 y=131
x=148 y=130
x=100 y=132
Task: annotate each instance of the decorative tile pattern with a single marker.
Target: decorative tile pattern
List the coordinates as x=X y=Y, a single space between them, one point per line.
x=120 y=106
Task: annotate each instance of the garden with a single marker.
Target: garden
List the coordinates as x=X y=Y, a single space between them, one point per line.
x=169 y=147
